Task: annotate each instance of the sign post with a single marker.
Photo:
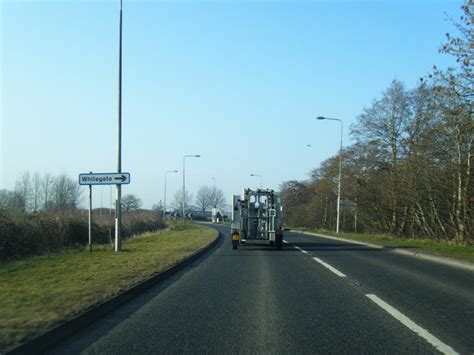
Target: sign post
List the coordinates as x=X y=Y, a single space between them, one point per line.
x=90 y=218
x=104 y=179
x=117 y=179
x=118 y=210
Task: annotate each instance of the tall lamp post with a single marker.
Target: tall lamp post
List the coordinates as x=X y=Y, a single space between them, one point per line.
x=166 y=174
x=184 y=183
x=260 y=176
x=340 y=171
x=118 y=210
x=214 y=192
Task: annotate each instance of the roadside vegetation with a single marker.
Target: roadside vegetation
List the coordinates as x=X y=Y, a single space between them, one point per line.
x=28 y=234
x=408 y=173
x=462 y=252
x=42 y=215
x=38 y=292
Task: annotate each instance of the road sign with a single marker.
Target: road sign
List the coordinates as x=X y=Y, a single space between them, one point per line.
x=104 y=179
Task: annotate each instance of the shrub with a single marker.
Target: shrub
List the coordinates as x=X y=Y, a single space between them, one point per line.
x=23 y=235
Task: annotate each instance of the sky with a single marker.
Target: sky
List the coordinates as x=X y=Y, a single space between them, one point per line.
x=237 y=82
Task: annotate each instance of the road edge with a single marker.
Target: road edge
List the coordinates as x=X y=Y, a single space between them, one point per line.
x=461 y=264
x=58 y=333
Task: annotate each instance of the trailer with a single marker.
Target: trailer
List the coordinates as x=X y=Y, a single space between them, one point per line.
x=256 y=218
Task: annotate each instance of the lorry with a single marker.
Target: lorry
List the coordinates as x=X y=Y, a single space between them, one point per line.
x=256 y=218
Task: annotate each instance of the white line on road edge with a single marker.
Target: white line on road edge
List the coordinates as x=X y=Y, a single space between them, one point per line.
x=334 y=270
x=438 y=344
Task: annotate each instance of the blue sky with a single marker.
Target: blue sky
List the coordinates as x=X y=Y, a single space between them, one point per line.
x=237 y=82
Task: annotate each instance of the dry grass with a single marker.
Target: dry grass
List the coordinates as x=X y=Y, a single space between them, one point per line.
x=39 y=292
x=435 y=247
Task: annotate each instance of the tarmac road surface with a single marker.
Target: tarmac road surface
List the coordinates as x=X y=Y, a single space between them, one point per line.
x=316 y=296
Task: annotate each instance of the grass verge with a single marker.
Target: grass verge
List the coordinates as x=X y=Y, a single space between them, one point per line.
x=39 y=292
x=442 y=248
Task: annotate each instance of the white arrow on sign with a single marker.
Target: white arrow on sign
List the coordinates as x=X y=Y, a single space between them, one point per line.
x=104 y=179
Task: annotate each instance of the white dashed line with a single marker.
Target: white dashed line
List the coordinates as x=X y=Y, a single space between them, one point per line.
x=438 y=344
x=301 y=250
x=334 y=270
x=326 y=265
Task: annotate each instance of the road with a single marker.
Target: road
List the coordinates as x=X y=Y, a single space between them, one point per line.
x=316 y=296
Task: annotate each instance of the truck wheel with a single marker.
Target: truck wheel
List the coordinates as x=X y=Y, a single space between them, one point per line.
x=278 y=241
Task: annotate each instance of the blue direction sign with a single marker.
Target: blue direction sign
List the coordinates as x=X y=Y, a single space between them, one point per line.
x=104 y=179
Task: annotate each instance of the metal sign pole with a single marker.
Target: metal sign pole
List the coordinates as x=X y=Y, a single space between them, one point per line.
x=90 y=218
x=118 y=212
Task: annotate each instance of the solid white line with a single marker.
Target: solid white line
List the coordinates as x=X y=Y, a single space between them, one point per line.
x=334 y=270
x=438 y=344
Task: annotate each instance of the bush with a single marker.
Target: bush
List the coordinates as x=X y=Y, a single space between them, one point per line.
x=23 y=235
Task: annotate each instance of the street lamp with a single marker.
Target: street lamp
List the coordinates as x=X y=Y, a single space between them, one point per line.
x=214 y=192
x=184 y=182
x=118 y=203
x=260 y=178
x=166 y=174
x=340 y=171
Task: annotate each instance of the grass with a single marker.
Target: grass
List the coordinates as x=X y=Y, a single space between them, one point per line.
x=39 y=292
x=435 y=247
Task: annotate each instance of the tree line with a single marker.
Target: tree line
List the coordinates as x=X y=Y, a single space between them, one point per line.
x=206 y=197
x=36 y=192
x=49 y=193
x=409 y=170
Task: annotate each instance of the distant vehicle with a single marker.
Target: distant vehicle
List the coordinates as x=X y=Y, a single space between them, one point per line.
x=256 y=218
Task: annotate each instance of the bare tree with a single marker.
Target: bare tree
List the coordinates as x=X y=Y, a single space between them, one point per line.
x=178 y=200
x=385 y=123
x=11 y=201
x=66 y=193
x=23 y=190
x=46 y=187
x=460 y=79
x=130 y=203
x=36 y=191
x=217 y=198
x=455 y=88
x=4 y=199
x=204 y=198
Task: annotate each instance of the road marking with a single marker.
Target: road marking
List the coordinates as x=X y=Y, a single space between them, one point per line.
x=430 y=338
x=301 y=250
x=334 y=270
